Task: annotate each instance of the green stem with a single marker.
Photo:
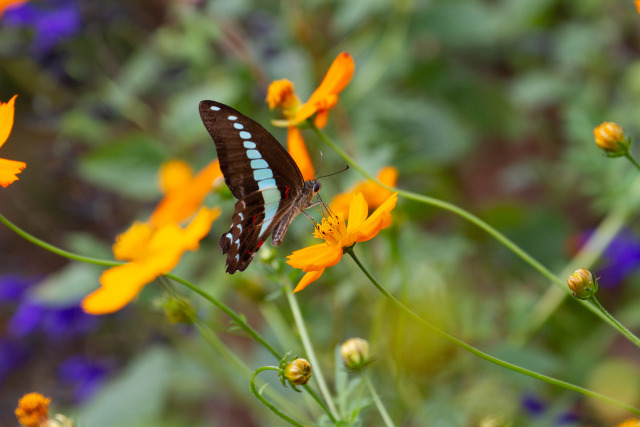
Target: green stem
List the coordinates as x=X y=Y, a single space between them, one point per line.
x=461 y=213
x=266 y=403
x=632 y=160
x=376 y=399
x=310 y=353
x=626 y=331
x=483 y=355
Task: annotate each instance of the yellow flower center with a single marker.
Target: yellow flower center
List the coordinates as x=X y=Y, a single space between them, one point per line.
x=332 y=229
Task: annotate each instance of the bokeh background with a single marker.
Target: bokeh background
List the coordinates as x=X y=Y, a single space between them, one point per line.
x=489 y=105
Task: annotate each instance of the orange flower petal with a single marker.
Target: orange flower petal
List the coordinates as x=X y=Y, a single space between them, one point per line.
x=133 y=243
x=6 y=117
x=337 y=78
x=358 y=211
x=315 y=257
x=340 y=204
x=9 y=169
x=298 y=151
x=181 y=202
x=174 y=175
x=322 y=118
x=378 y=220
x=307 y=279
x=637 y=3
x=281 y=94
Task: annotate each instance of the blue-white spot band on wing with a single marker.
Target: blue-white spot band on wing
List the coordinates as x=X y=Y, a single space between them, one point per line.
x=271 y=198
x=238 y=126
x=260 y=174
x=214 y=108
x=259 y=164
x=267 y=183
x=245 y=135
x=249 y=144
x=254 y=154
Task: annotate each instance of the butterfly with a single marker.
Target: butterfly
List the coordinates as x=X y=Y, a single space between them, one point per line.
x=262 y=176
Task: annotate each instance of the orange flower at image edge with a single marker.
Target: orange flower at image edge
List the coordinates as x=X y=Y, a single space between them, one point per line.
x=33 y=410
x=155 y=248
x=337 y=235
x=9 y=169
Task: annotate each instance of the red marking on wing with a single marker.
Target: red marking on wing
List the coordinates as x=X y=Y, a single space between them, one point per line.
x=260 y=243
x=255 y=219
x=286 y=192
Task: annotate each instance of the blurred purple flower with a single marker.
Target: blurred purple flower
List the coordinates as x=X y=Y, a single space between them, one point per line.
x=52 y=21
x=533 y=405
x=85 y=375
x=12 y=287
x=12 y=355
x=55 y=322
x=619 y=260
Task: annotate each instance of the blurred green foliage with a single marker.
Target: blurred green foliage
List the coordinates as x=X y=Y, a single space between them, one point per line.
x=487 y=104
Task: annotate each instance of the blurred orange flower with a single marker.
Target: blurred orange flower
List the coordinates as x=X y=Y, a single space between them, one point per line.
x=637 y=3
x=155 y=248
x=281 y=94
x=9 y=169
x=373 y=193
x=151 y=252
x=337 y=235
x=184 y=193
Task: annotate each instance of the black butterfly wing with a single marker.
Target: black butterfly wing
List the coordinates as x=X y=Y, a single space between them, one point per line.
x=241 y=142
x=260 y=174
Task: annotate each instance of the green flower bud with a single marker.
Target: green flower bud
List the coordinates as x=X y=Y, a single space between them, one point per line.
x=612 y=139
x=355 y=353
x=298 y=371
x=582 y=284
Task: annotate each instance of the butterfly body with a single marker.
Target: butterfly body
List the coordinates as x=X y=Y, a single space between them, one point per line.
x=262 y=176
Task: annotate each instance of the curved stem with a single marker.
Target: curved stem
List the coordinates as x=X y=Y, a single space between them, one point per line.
x=265 y=402
x=310 y=353
x=480 y=353
x=626 y=331
x=376 y=399
x=632 y=160
x=509 y=244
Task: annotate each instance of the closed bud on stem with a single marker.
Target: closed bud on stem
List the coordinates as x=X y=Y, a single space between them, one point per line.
x=612 y=139
x=582 y=284
x=355 y=353
x=298 y=371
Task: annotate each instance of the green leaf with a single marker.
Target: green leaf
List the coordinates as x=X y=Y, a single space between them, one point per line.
x=136 y=397
x=128 y=167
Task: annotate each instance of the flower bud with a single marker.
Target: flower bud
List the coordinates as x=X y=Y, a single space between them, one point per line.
x=582 y=284
x=355 y=353
x=610 y=137
x=298 y=371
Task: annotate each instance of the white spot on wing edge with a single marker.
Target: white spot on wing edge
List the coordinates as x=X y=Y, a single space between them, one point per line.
x=232 y=118
x=214 y=108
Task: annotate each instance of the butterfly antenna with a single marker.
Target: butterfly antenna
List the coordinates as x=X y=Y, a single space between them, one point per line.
x=334 y=173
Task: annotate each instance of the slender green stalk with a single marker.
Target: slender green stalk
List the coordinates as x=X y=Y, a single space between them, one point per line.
x=310 y=353
x=632 y=160
x=376 y=399
x=70 y=255
x=509 y=244
x=266 y=403
x=483 y=355
x=627 y=332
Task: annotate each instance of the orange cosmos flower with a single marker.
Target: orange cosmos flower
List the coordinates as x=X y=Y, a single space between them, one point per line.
x=337 y=235
x=33 y=410
x=9 y=169
x=637 y=3
x=151 y=252
x=184 y=193
x=631 y=422
x=373 y=193
x=281 y=94
x=155 y=248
